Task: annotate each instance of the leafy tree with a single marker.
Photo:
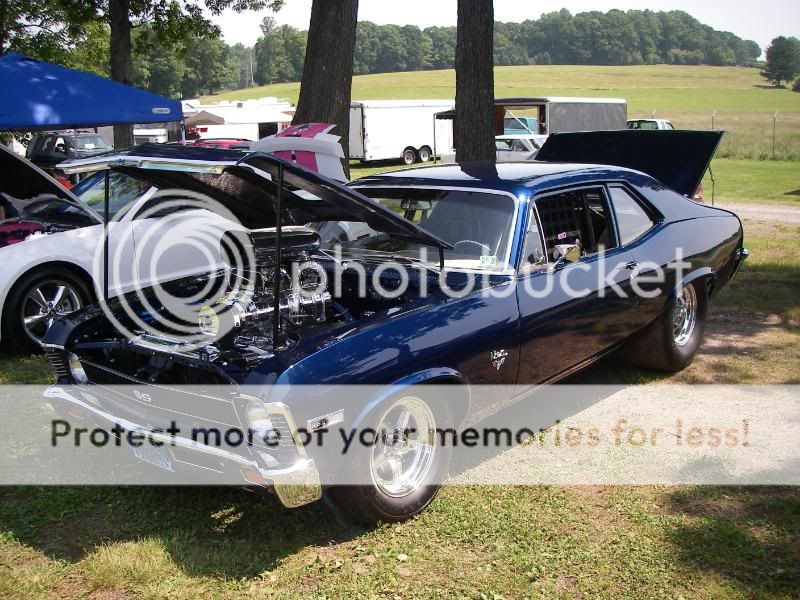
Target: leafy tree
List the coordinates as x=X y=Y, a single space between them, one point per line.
x=783 y=60
x=207 y=67
x=443 y=50
x=171 y=20
x=39 y=28
x=242 y=61
x=91 y=54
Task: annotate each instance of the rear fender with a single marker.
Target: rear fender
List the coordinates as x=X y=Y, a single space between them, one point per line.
x=701 y=273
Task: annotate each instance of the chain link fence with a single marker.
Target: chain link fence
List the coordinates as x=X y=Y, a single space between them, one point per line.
x=755 y=136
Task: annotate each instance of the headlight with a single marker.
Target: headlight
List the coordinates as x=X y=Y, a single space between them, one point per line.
x=260 y=423
x=76 y=369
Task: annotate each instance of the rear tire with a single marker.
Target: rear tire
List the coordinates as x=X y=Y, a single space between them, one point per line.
x=425 y=154
x=671 y=342
x=409 y=156
x=398 y=492
x=25 y=303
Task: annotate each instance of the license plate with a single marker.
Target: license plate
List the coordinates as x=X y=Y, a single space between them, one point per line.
x=153 y=455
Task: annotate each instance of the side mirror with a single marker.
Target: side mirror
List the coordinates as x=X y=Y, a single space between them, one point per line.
x=565 y=253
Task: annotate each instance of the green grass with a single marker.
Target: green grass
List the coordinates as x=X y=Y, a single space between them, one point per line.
x=762 y=182
x=687 y=95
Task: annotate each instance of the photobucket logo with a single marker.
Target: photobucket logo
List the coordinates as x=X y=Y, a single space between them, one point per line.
x=174 y=235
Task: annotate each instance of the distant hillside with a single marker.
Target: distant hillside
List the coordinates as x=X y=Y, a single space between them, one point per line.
x=615 y=37
x=686 y=94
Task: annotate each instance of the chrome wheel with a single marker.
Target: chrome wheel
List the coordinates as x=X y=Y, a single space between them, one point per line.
x=43 y=303
x=684 y=316
x=403 y=453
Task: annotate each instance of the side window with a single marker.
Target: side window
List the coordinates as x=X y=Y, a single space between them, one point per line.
x=632 y=219
x=578 y=217
x=533 y=254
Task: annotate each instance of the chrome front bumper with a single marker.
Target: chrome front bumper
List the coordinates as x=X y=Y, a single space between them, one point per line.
x=294 y=485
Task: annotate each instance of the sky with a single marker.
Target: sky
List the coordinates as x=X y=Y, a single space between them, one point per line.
x=760 y=21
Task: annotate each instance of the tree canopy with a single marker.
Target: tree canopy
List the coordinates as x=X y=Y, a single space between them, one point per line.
x=783 y=60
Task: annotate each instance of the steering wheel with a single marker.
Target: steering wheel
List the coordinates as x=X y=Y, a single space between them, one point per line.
x=484 y=246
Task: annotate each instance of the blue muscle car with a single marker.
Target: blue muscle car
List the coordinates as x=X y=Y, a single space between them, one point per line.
x=578 y=251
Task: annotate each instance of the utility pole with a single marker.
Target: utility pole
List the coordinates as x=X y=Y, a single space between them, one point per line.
x=252 y=81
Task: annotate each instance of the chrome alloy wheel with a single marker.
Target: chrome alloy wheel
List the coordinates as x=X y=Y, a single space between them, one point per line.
x=684 y=315
x=43 y=303
x=403 y=453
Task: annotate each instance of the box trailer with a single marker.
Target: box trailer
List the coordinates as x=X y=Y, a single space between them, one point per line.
x=399 y=129
x=556 y=114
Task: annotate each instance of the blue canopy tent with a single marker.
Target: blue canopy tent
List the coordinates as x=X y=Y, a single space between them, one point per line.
x=41 y=95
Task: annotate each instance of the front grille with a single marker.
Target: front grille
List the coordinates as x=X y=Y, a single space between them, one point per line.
x=58 y=362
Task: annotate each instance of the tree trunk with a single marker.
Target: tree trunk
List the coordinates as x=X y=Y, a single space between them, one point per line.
x=325 y=90
x=120 y=46
x=473 y=127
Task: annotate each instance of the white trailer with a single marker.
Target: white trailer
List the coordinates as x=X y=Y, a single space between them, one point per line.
x=399 y=129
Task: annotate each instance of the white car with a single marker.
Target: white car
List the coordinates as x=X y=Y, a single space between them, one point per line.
x=51 y=243
x=662 y=124
x=518 y=146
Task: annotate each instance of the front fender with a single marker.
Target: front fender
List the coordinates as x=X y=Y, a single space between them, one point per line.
x=426 y=377
x=19 y=259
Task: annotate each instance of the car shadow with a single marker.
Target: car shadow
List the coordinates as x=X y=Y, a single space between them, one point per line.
x=207 y=531
x=747 y=534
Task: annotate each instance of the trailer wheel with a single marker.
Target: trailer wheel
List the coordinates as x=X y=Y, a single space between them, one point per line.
x=425 y=154
x=409 y=156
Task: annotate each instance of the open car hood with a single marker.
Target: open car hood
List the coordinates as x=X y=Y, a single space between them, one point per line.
x=24 y=185
x=244 y=183
x=678 y=159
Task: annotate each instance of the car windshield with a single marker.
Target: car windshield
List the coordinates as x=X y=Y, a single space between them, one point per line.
x=477 y=224
x=90 y=142
x=123 y=191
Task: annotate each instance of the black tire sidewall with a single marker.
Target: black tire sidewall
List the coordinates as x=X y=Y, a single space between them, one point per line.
x=679 y=357
x=368 y=504
x=425 y=151
x=14 y=334
x=409 y=152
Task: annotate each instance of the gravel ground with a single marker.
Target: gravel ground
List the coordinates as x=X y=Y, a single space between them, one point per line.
x=774 y=213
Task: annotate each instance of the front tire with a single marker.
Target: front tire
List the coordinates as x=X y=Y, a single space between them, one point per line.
x=671 y=342
x=404 y=471
x=409 y=156
x=36 y=300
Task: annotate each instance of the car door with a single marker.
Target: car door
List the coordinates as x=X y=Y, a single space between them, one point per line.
x=572 y=311
x=635 y=219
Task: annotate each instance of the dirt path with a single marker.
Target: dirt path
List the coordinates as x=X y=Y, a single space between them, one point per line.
x=773 y=213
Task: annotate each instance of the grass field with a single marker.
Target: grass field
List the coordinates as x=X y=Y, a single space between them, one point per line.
x=489 y=542
x=687 y=95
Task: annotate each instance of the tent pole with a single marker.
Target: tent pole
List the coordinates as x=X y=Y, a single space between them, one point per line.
x=105 y=234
